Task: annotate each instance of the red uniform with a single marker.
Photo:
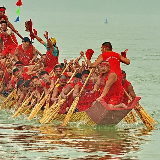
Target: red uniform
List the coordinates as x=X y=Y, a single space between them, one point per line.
x=69 y=100
x=25 y=56
x=10 y=43
x=125 y=86
x=87 y=97
x=115 y=93
x=114 y=60
x=51 y=60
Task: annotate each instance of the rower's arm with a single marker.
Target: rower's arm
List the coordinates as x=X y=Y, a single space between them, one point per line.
x=111 y=79
x=10 y=25
x=38 y=38
x=54 y=94
x=97 y=85
x=96 y=63
x=65 y=92
x=124 y=60
x=16 y=54
x=76 y=91
x=131 y=91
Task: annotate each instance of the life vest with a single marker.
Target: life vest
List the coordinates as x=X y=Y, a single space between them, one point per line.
x=25 y=56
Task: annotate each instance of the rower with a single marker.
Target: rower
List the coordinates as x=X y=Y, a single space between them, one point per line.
x=3 y=17
x=111 y=89
x=52 y=53
x=9 y=39
x=25 y=52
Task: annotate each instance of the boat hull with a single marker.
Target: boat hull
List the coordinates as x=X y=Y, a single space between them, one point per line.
x=100 y=113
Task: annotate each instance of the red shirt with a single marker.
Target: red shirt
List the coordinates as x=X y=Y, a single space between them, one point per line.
x=115 y=93
x=114 y=60
x=87 y=97
x=51 y=60
x=25 y=56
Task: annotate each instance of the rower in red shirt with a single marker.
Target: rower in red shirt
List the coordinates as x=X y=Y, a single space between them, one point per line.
x=88 y=96
x=66 y=90
x=52 y=53
x=58 y=88
x=108 y=55
x=9 y=39
x=111 y=89
x=3 y=17
x=25 y=52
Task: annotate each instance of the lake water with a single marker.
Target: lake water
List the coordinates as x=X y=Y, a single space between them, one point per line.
x=79 y=25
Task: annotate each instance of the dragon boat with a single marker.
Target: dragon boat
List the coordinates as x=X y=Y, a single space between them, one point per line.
x=98 y=114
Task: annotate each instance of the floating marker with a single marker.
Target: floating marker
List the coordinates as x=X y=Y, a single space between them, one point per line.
x=106 y=21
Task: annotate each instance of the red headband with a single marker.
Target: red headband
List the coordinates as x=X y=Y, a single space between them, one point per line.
x=104 y=64
x=63 y=80
x=2 y=9
x=18 y=64
x=16 y=71
x=58 y=69
x=84 y=74
x=106 y=47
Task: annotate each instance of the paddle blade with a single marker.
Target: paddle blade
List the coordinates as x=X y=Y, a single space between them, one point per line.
x=70 y=112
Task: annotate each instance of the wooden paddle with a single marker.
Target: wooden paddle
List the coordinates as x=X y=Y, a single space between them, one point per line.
x=75 y=102
x=57 y=106
x=21 y=108
x=143 y=115
x=55 y=109
x=10 y=96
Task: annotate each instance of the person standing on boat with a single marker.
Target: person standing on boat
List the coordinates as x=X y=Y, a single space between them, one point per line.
x=9 y=39
x=52 y=53
x=111 y=89
x=108 y=55
x=128 y=88
x=3 y=17
x=25 y=52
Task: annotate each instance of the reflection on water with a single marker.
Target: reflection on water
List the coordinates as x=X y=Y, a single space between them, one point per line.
x=55 y=142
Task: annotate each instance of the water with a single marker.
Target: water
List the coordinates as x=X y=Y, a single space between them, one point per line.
x=79 y=25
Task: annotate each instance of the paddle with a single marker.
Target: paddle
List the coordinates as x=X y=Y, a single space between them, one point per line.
x=143 y=115
x=39 y=105
x=75 y=102
x=24 y=104
x=10 y=96
x=55 y=109
x=57 y=106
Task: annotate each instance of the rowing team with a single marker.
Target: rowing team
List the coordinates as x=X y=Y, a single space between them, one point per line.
x=36 y=81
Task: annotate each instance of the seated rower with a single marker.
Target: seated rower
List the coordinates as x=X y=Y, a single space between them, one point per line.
x=25 y=52
x=58 y=88
x=66 y=90
x=48 y=81
x=87 y=96
x=111 y=89
x=9 y=39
